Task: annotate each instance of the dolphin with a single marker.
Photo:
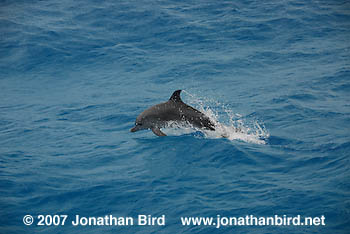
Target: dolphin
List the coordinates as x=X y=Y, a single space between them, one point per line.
x=172 y=111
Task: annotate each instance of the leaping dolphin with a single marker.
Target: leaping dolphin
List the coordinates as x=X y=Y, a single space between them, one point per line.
x=174 y=110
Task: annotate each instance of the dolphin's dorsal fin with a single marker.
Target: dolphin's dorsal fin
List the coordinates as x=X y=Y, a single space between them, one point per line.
x=176 y=96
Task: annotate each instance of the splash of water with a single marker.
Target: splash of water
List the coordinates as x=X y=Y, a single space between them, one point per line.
x=228 y=124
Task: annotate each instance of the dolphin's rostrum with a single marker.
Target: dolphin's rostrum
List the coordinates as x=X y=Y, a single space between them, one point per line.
x=172 y=111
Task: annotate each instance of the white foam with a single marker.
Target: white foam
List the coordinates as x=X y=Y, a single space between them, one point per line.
x=228 y=124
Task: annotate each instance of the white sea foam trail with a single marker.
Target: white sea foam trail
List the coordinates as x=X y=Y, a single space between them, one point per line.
x=228 y=124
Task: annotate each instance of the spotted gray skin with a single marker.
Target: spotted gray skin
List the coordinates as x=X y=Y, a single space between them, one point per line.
x=174 y=110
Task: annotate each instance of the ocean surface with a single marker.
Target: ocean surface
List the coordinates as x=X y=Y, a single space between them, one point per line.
x=74 y=75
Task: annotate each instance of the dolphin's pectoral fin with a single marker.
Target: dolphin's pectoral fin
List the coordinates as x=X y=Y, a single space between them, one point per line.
x=157 y=131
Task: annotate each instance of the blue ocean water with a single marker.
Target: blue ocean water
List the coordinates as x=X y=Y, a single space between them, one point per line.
x=75 y=75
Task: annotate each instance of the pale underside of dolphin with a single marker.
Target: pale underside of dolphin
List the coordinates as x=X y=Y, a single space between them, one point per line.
x=173 y=111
